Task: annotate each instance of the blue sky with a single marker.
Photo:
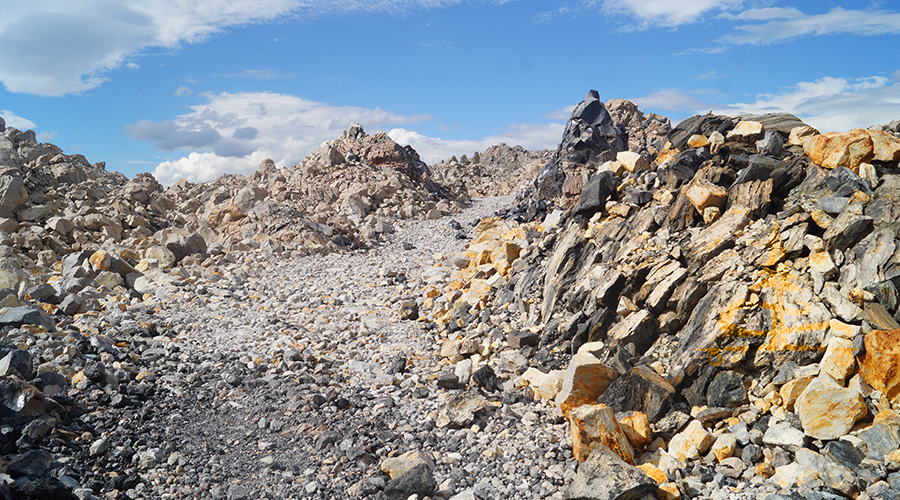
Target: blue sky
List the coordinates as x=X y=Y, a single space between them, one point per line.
x=197 y=88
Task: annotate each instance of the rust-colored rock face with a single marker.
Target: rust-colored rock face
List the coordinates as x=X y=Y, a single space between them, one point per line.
x=880 y=365
x=593 y=425
x=835 y=149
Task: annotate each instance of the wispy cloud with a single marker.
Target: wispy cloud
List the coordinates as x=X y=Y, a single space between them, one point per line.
x=667 y=13
x=829 y=103
x=709 y=75
x=182 y=90
x=13 y=120
x=259 y=74
x=780 y=25
x=60 y=47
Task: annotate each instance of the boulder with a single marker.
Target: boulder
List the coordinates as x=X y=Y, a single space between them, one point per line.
x=745 y=131
x=827 y=410
x=835 y=149
x=605 y=476
x=585 y=380
x=800 y=134
x=690 y=443
x=639 y=389
x=633 y=162
x=880 y=365
x=596 y=425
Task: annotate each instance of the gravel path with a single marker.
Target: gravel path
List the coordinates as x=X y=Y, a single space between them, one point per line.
x=295 y=378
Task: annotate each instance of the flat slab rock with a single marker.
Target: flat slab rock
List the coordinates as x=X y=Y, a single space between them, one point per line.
x=460 y=410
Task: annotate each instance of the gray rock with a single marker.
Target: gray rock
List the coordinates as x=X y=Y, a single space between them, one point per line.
x=32 y=464
x=728 y=390
x=772 y=143
x=784 y=435
x=880 y=438
x=17 y=360
x=639 y=389
x=844 y=453
x=418 y=480
x=24 y=315
x=595 y=193
x=447 y=380
x=72 y=304
x=833 y=205
x=605 y=476
x=182 y=245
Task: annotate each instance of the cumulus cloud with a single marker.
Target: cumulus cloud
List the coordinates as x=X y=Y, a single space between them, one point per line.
x=57 y=47
x=234 y=133
x=13 y=120
x=829 y=103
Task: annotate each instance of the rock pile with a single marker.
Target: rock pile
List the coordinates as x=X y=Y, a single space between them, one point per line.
x=719 y=311
x=499 y=171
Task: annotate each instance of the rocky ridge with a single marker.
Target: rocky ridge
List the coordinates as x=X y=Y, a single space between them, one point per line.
x=720 y=313
x=499 y=171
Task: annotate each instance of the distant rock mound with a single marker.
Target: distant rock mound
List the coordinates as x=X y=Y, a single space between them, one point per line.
x=500 y=170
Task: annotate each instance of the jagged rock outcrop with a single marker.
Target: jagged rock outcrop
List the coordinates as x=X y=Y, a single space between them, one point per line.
x=743 y=273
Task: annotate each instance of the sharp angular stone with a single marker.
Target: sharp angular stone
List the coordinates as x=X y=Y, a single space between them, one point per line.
x=605 y=476
x=690 y=443
x=639 y=389
x=880 y=365
x=585 y=380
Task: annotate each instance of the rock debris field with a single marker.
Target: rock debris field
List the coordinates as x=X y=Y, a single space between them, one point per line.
x=650 y=312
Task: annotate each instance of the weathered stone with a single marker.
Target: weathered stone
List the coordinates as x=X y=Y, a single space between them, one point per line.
x=794 y=475
x=886 y=146
x=640 y=328
x=586 y=379
x=397 y=466
x=728 y=390
x=520 y=339
x=24 y=315
x=724 y=446
x=12 y=193
x=771 y=144
x=636 y=427
x=792 y=390
x=17 y=361
x=690 y=443
x=18 y=398
x=880 y=365
x=409 y=310
x=633 y=162
x=419 y=480
x=639 y=389
x=835 y=149
x=745 y=131
x=460 y=410
x=827 y=410
x=800 y=134
x=595 y=425
x=783 y=434
x=881 y=438
x=595 y=193
x=839 y=361
x=703 y=195
x=605 y=476
x=181 y=245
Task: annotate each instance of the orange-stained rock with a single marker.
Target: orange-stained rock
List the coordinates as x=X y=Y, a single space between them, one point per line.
x=478 y=289
x=653 y=472
x=668 y=491
x=880 y=365
x=827 y=410
x=724 y=446
x=503 y=256
x=492 y=228
x=887 y=147
x=585 y=380
x=792 y=390
x=636 y=427
x=839 y=361
x=593 y=425
x=692 y=442
x=697 y=141
x=706 y=194
x=100 y=260
x=835 y=149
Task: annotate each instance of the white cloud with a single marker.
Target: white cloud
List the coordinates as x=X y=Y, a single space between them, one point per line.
x=667 y=12
x=233 y=133
x=560 y=114
x=182 y=90
x=57 y=47
x=12 y=120
x=829 y=103
x=785 y=24
x=432 y=149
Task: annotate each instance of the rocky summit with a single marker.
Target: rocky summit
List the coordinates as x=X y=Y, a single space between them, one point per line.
x=706 y=310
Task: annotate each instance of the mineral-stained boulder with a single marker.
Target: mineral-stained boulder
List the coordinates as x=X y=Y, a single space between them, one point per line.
x=690 y=443
x=880 y=365
x=585 y=380
x=835 y=149
x=595 y=425
x=827 y=410
x=605 y=476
